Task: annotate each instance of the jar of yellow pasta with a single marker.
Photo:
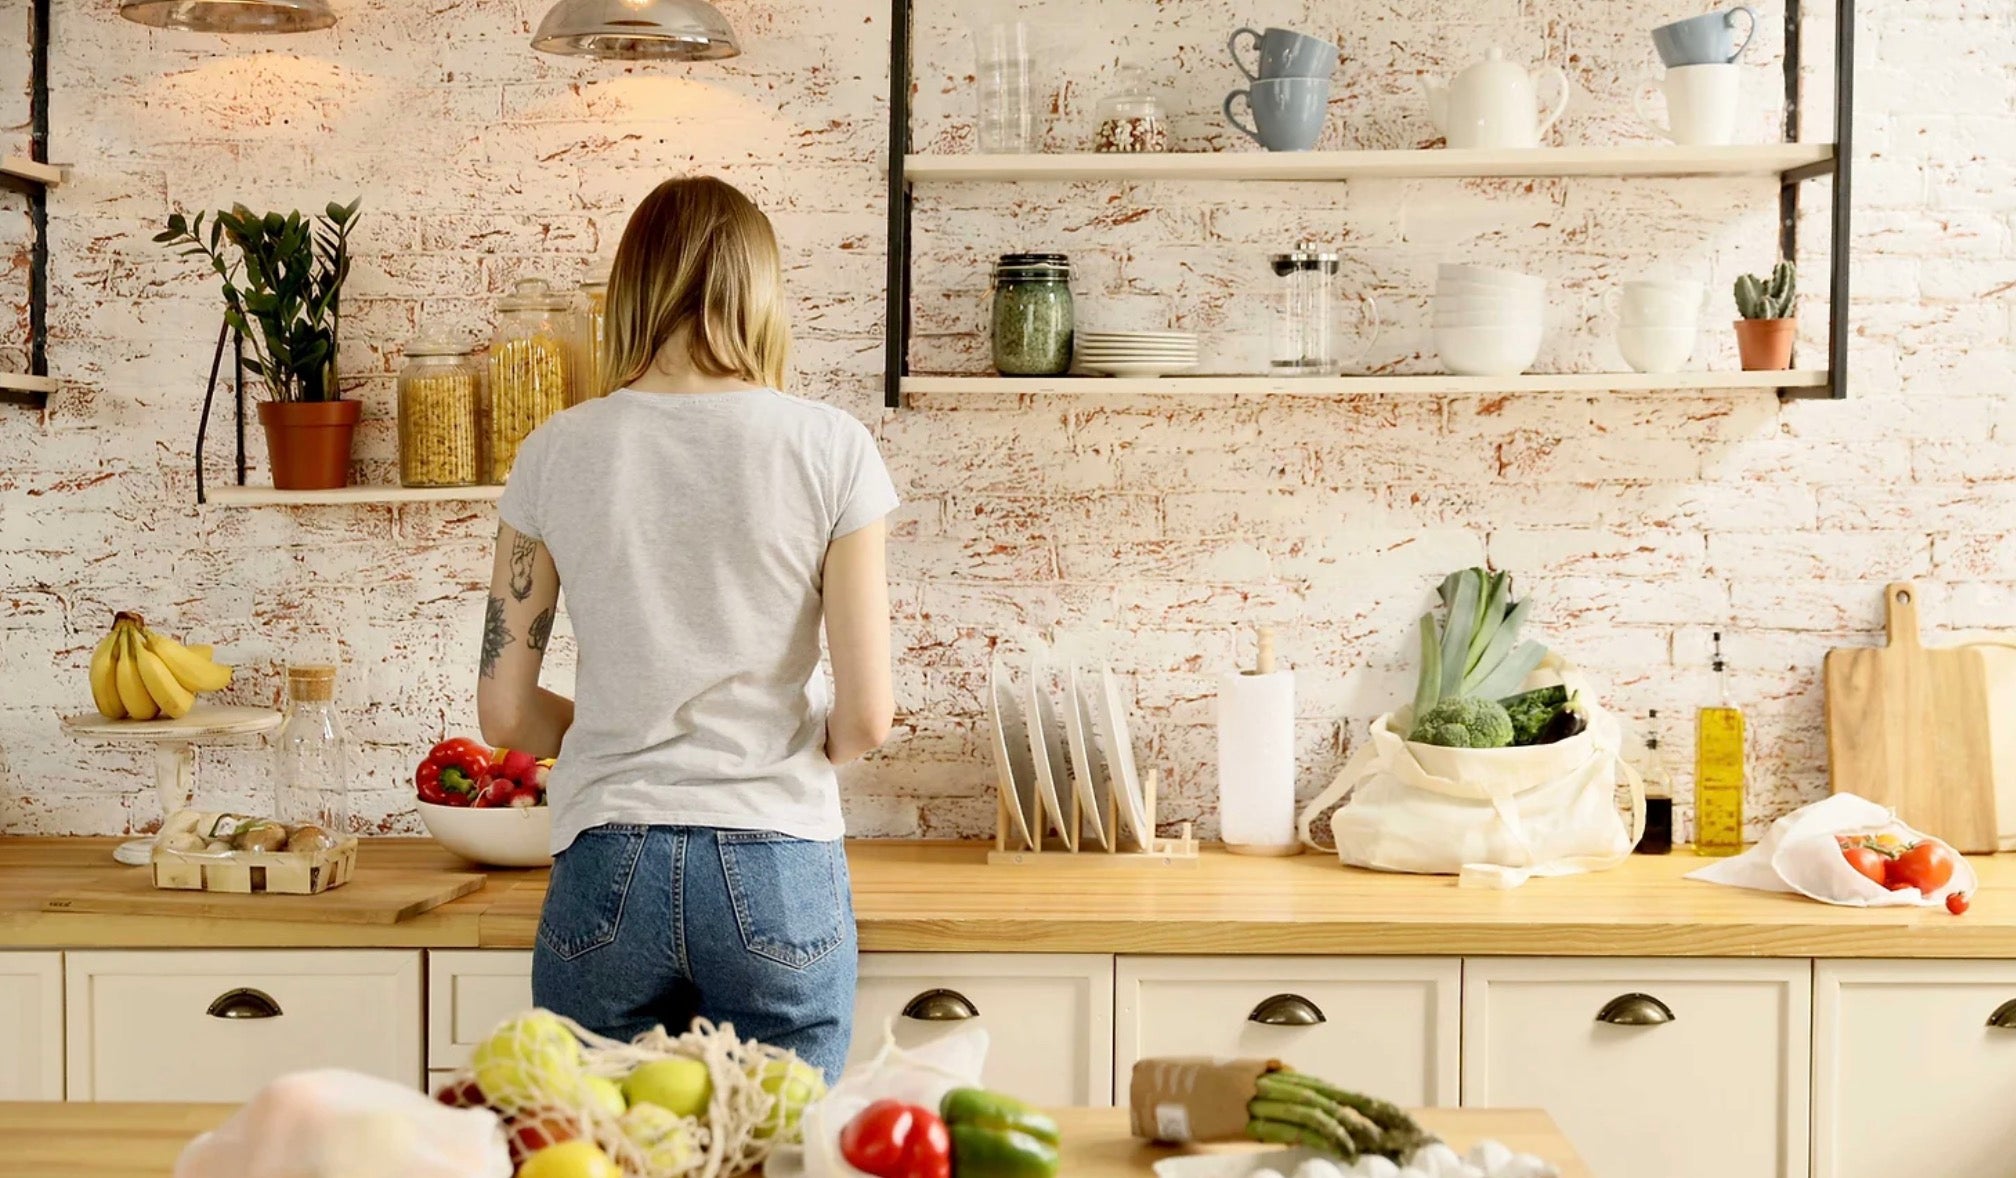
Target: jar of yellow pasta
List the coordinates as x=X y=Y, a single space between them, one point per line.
x=440 y=413
x=530 y=377
x=591 y=306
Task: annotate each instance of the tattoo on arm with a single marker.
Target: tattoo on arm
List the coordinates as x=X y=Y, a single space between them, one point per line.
x=541 y=630
x=522 y=552
x=496 y=636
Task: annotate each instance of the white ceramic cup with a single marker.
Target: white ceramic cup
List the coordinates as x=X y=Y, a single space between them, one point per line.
x=1656 y=349
x=1701 y=103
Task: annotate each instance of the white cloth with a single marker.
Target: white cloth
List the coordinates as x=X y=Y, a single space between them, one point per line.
x=690 y=531
x=1800 y=854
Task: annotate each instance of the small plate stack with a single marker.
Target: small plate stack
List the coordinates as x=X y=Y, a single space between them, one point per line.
x=1136 y=353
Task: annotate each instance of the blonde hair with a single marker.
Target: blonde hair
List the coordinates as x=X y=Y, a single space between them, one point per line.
x=697 y=255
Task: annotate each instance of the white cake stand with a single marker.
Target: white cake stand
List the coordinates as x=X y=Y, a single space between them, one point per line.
x=174 y=744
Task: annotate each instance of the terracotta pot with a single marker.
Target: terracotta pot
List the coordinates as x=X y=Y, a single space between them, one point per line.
x=1766 y=344
x=308 y=442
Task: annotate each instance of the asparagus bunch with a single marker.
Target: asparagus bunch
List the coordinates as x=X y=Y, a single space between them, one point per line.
x=1291 y=1108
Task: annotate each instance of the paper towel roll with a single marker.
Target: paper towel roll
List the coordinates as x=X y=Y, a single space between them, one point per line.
x=1256 y=762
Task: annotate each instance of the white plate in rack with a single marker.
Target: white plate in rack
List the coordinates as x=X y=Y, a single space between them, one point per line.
x=1137 y=367
x=1046 y=748
x=1014 y=769
x=1089 y=776
x=1117 y=745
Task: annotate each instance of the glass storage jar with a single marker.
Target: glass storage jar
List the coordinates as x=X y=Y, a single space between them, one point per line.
x=311 y=781
x=529 y=378
x=591 y=305
x=1032 y=315
x=440 y=413
x=1130 y=118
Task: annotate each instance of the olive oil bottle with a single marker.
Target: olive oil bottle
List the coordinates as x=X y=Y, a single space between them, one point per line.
x=1719 y=770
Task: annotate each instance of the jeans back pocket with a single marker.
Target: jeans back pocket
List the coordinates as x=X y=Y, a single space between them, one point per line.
x=789 y=895
x=591 y=880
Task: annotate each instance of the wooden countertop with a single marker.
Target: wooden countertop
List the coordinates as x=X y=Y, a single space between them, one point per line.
x=943 y=897
x=142 y=1140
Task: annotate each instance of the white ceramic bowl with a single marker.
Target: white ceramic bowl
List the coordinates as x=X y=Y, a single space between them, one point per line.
x=506 y=836
x=1656 y=349
x=1488 y=351
x=1486 y=276
x=1520 y=303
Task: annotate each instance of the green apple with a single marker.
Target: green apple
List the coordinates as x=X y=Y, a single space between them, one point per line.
x=682 y=1085
x=602 y=1094
x=530 y=1060
x=570 y=1159
x=660 y=1135
x=791 y=1084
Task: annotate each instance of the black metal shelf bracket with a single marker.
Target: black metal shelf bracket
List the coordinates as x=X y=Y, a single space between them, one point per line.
x=37 y=194
x=896 y=327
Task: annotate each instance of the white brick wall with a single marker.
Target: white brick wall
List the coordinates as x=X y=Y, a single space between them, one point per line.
x=1135 y=532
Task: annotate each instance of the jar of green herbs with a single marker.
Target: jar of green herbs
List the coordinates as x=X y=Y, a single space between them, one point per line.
x=1032 y=314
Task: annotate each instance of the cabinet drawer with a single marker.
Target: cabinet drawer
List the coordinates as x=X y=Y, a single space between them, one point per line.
x=215 y=1026
x=1655 y=1068
x=1383 y=1025
x=1909 y=1074
x=31 y=1026
x=1049 y=1017
x=468 y=993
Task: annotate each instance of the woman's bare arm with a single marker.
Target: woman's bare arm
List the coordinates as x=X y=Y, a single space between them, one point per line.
x=514 y=711
x=856 y=590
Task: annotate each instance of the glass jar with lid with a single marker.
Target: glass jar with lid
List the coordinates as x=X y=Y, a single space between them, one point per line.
x=311 y=779
x=591 y=306
x=529 y=371
x=1032 y=315
x=1130 y=118
x=440 y=412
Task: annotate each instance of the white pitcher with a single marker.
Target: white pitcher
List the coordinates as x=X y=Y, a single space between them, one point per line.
x=1491 y=104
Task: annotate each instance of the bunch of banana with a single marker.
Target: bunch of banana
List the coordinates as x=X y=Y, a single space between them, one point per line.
x=138 y=674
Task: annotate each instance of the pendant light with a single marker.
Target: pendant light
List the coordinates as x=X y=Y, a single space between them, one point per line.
x=231 y=16
x=637 y=30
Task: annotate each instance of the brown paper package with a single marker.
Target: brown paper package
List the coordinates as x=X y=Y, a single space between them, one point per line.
x=1194 y=1099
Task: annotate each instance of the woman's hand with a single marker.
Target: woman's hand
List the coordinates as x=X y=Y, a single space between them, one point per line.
x=856 y=591
x=514 y=711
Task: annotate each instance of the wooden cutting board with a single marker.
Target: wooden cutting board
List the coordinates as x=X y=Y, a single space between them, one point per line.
x=371 y=897
x=1907 y=727
x=2000 y=661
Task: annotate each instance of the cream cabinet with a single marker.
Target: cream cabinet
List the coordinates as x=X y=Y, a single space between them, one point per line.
x=468 y=993
x=31 y=1026
x=1048 y=1017
x=1914 y=1063
x=1387 y=1025
x=217 y=1025
x=1655 y=1068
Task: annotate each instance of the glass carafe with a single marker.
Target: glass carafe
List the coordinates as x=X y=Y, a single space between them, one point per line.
x=310 y=775
x=1303 y=309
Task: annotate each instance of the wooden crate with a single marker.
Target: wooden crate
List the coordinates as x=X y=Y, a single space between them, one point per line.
x=296 y=873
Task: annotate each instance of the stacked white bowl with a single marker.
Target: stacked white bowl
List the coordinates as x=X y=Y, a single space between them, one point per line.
x=1488 y=322
x=1658 y=322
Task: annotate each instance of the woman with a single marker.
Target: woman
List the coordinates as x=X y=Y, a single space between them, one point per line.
x=703 y=524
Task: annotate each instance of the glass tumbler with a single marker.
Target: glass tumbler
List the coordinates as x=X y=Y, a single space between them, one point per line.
x=1002 y=69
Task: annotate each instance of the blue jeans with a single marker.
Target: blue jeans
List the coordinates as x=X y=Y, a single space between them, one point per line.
x=649 y=926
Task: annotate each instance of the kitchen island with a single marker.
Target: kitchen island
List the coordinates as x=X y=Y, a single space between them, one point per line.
x=142 y=1140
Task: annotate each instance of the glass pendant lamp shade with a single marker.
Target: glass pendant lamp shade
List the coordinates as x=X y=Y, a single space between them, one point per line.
x=637 y=30
x=231 y=16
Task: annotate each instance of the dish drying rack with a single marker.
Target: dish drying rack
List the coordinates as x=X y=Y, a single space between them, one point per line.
x=1072 y=851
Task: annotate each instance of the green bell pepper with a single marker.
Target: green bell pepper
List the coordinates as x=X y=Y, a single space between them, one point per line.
x=996 y=1136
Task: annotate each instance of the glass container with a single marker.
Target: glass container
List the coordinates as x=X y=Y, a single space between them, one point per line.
x=310 y=778
x=1130 y=118
x=1002 y=70
x=529 y=378
x=1032 y=315
x=591 y=307
x=1303 y=310
x=440 y=413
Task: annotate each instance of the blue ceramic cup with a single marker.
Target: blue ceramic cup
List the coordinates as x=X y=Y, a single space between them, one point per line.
x=1288 y=113
x=1708 y=39
x=1285 y=53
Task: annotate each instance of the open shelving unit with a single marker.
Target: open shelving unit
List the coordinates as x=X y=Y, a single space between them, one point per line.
x=33 y=176
x=254 y=496
x=1791 y=162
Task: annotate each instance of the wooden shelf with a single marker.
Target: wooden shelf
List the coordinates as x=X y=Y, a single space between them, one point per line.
x=22 y=168
x=1336 y=386
x=230 y=496
x=32 y=392
x=1772 y=159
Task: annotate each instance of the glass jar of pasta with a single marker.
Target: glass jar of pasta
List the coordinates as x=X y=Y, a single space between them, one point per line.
x=440 y=413
x=591 y=305
x=529 y=377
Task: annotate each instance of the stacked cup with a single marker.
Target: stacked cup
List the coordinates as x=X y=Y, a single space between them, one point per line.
x=1702 y=79
x=1488 y=322
x=1658 y=323
x=1290 y=95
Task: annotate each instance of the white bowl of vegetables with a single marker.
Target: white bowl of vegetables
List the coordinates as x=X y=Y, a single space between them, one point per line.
x=486 y=805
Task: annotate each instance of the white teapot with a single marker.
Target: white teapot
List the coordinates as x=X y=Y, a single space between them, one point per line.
x=1491 y=104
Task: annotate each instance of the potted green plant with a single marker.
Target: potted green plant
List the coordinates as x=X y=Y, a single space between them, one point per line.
x=1765 y=332
x=283 y=280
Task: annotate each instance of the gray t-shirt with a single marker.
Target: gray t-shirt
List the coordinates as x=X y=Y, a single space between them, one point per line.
x=690 y=531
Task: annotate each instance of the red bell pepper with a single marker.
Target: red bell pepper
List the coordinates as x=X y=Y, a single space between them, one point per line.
x=890 y=1139
x=453 y=772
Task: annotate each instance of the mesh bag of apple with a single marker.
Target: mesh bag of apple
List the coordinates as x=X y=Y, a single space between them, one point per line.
x=702 y=1104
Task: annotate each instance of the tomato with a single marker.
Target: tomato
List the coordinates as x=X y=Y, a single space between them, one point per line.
x=1870 y=863
x=1956 y=903
x=1927 y=867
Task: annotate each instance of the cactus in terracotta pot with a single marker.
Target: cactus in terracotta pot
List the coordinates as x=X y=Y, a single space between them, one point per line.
x=1766 y=330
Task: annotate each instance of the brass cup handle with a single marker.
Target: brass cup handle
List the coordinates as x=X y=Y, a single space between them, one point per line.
x=2004 y=1018
x=1635 y=1010
x=1286 y=1010
x=941 y=1006
x=244 y=1002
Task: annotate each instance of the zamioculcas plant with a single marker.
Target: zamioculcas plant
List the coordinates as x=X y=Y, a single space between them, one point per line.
x=1765 y=332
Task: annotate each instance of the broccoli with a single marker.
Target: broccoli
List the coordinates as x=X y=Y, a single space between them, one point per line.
x=1532 y=711
x=1464 y=722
